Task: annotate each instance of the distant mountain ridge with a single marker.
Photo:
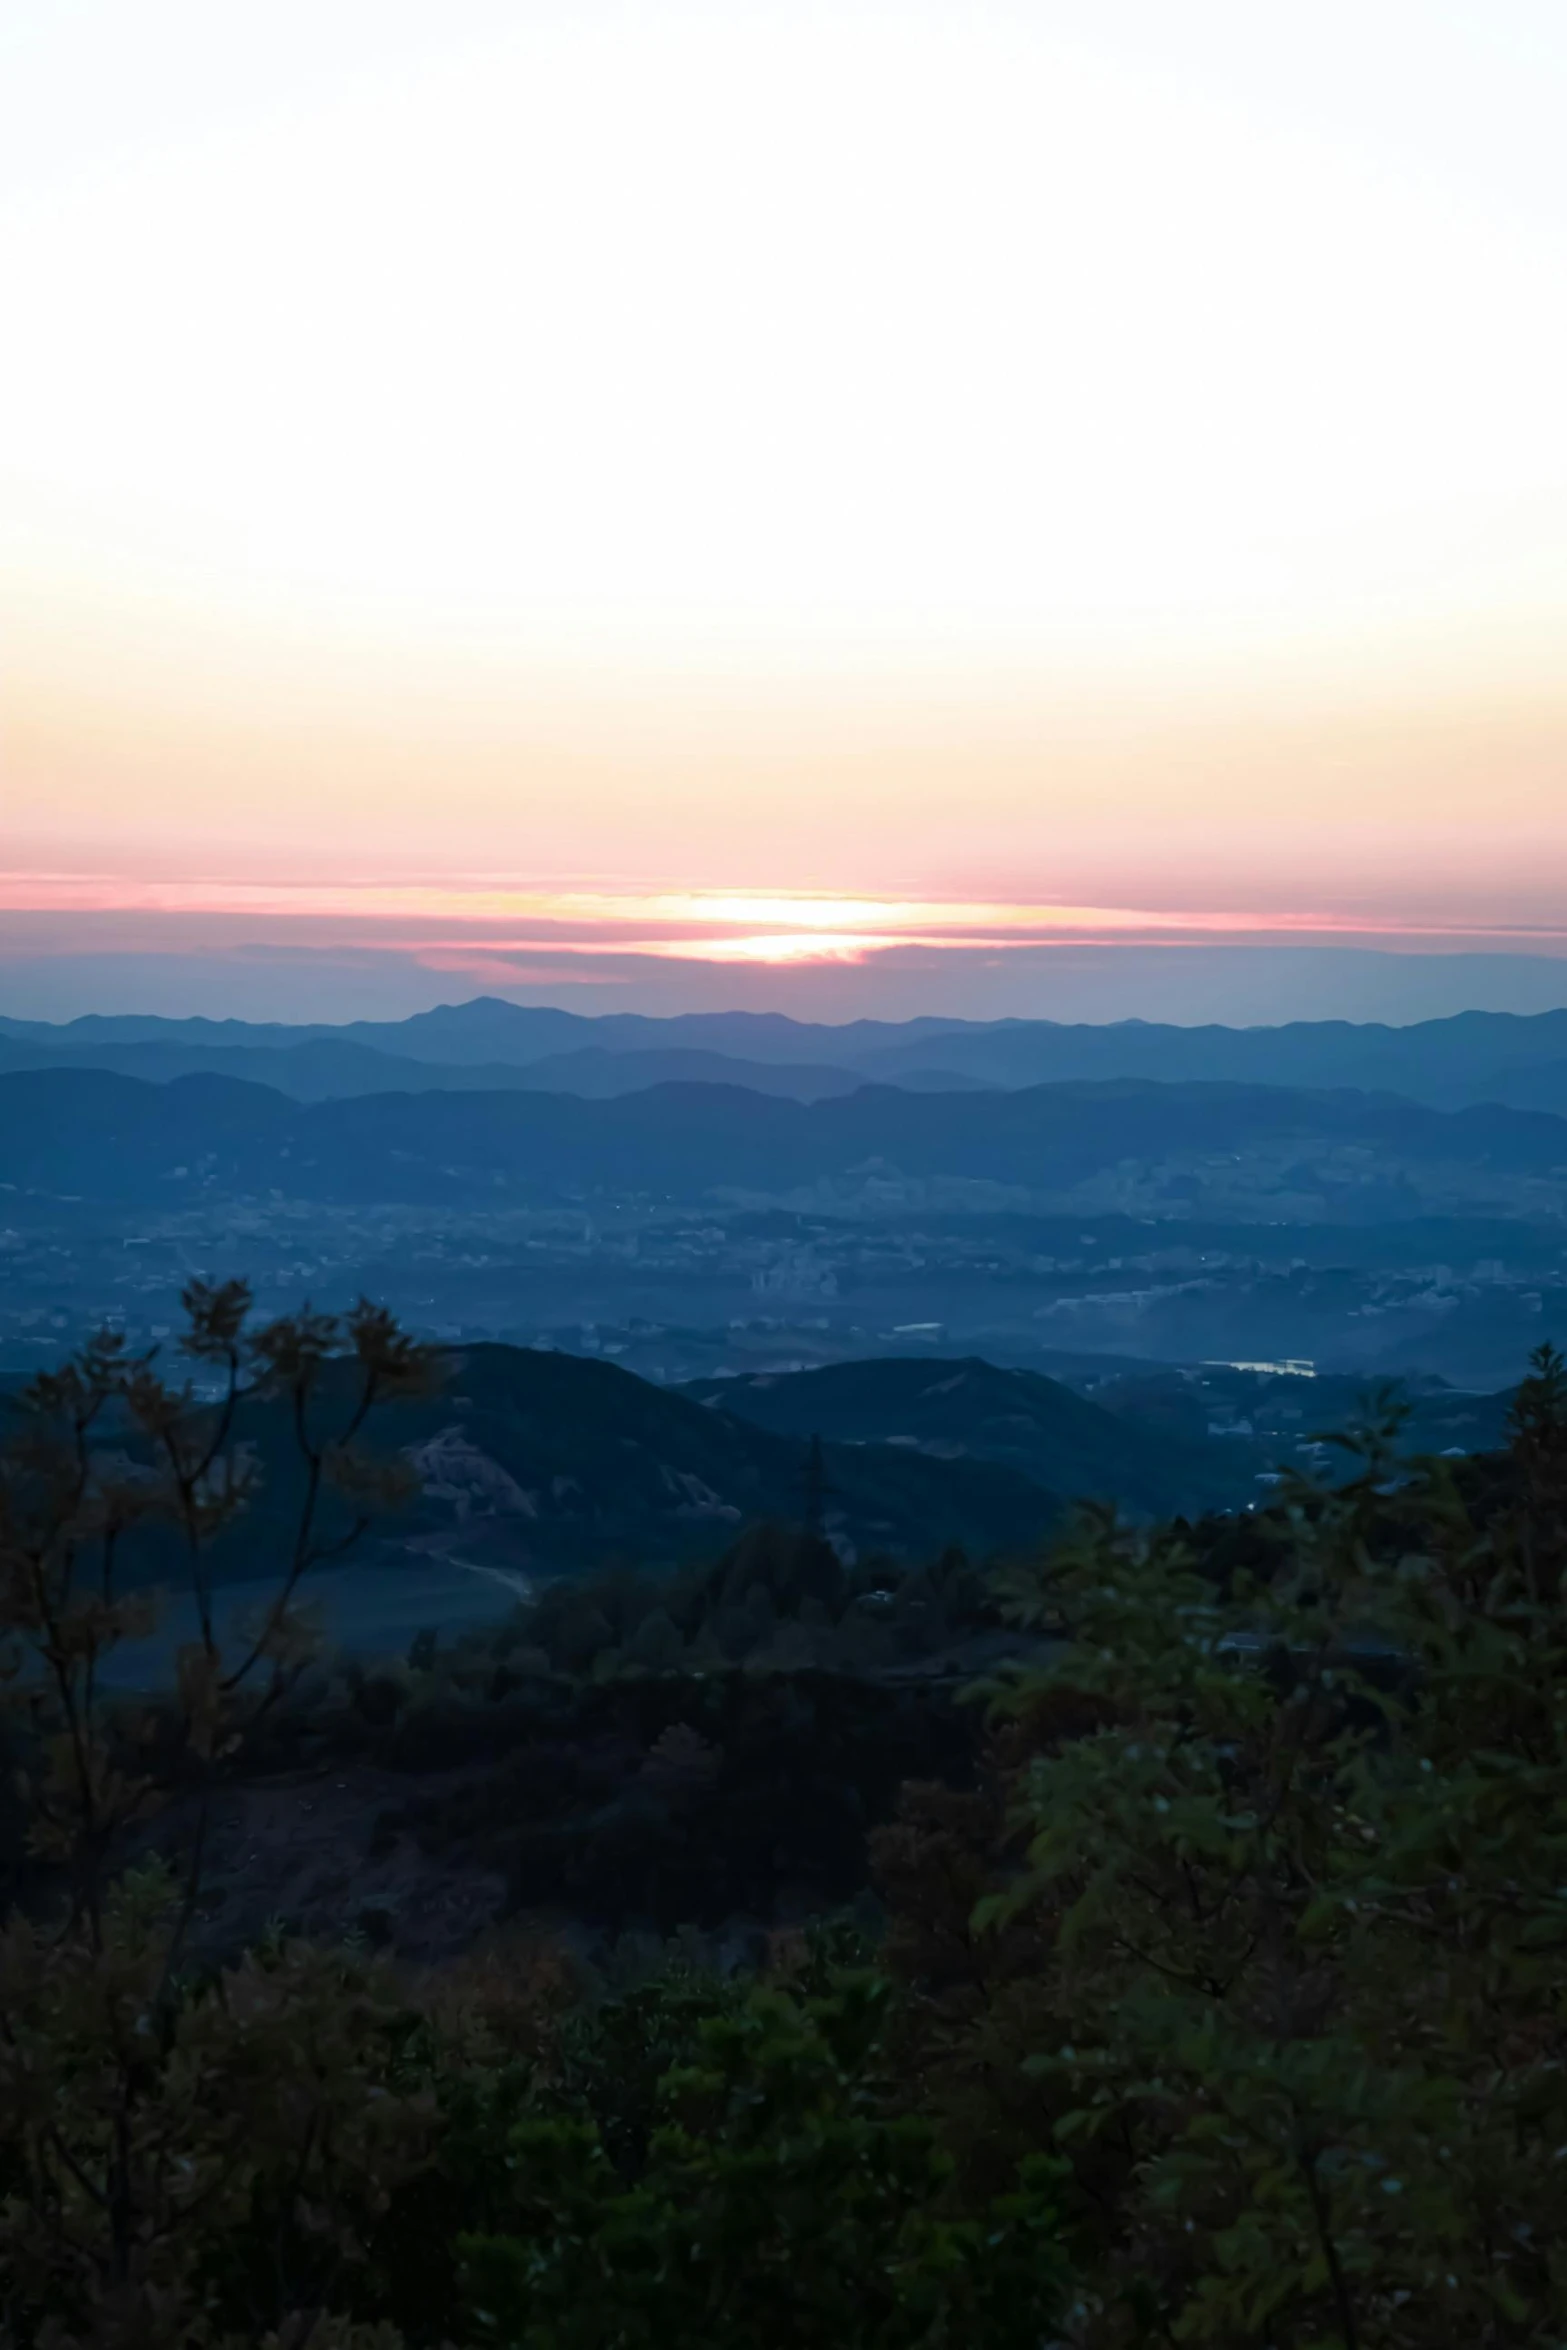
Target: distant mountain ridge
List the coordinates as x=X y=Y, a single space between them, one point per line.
x=1257 y=1152
x=1514 y=1059
x=327 y=1068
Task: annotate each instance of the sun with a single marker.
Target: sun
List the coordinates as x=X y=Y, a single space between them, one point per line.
x=783 y=947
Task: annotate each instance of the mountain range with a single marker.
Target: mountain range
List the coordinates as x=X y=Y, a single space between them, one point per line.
x=532 y=1462
x=1249 y=1152
x=329 y=1068
x=490 y=1044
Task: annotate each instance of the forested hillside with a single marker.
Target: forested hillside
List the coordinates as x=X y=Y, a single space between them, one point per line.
x=713 y=1958
x=972 y=1410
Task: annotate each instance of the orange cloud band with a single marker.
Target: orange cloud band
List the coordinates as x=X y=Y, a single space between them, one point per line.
x=462 y=916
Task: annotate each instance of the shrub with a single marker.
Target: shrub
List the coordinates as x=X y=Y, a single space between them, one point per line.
x=778 y=2199
x=1303 y=1864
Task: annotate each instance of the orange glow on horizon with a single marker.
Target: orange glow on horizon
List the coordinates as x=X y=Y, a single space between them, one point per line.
x=463 y=925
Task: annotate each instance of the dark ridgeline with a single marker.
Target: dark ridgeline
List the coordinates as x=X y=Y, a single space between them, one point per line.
x=1473 y=1057
x=538 y=1464
x=111 y=1138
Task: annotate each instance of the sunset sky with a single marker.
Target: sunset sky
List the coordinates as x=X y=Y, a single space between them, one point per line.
x=1058 y=506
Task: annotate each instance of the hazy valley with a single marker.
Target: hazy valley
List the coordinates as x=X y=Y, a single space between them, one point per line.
x=1169 y=1206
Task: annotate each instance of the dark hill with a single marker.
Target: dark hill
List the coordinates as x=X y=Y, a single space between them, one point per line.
x=89 y=1133
x=1448 y=1063
x=534 y=1463
x=1532 y=1085
x=331 y=1068
x=1259 y=1151
x=971 y=1410
x=614 y=1466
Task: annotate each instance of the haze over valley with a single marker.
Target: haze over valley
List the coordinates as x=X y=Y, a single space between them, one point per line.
x=994 y=1268
x=732 y=1192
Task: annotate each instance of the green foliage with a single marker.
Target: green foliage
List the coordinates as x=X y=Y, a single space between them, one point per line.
x=177 y=2156
x=778 y=1600
x=191 y=2165
x=1236 y=1985
x=1301 y=1843
x=781 y=2199
x=288 y=2150
x=656 y=1644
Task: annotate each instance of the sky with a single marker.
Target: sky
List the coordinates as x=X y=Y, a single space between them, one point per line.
x=1029 y=506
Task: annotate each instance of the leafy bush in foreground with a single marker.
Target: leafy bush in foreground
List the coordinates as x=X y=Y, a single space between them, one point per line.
x=1295 y=1849
x=781 y=2199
